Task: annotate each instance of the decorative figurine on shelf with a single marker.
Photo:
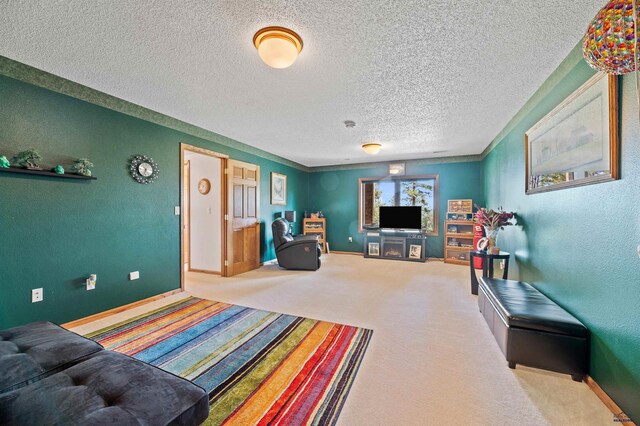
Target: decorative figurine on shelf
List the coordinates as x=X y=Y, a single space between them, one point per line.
x=59 y=169
x=28 y=159
x=4 y=163
x=320 y=215
x=81 y=167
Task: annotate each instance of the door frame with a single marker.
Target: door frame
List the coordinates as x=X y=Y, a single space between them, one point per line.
x=223 y=204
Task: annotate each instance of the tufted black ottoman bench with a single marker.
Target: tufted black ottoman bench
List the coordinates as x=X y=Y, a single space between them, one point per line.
x=532 y=329
x=49 y=375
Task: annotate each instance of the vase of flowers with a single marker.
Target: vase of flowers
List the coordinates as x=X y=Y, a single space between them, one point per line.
x=493 y=221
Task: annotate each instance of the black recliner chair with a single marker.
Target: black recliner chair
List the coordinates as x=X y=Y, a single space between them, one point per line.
x=301 y=252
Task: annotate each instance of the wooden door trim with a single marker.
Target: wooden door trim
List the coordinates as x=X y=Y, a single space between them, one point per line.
x=187 y=210
x=223 y=205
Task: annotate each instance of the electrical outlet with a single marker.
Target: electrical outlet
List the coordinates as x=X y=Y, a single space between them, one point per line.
x=502 y=264
x=350 y=239
x=37 y=294
x=638 y=251
x=176 y=210
x=134 y=275
x=91 y=282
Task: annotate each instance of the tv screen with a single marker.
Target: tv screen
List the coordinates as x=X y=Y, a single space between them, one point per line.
x=405 y=217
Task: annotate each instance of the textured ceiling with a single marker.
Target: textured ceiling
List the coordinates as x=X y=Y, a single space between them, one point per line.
x=416 y=76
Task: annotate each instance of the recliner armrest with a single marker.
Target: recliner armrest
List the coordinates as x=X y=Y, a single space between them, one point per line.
x=305 y=237
x=295 y=243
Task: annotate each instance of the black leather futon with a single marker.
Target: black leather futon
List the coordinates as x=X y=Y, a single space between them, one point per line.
x=532 y=329
x=51 y=376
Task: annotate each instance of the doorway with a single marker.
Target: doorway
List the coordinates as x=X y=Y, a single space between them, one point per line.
x=203 y=209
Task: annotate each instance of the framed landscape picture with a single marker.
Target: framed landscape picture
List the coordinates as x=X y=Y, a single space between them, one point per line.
x=278 y=189
x=577 y=143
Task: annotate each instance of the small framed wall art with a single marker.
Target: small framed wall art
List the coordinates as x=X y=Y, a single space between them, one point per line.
x=278 y=189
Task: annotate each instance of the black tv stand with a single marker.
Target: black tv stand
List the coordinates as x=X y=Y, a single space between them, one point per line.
x=395 y=244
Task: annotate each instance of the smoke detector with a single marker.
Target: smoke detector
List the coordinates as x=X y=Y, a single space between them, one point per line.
x=350 y=124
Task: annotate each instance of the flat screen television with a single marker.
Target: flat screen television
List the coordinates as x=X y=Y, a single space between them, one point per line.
x=401 y=217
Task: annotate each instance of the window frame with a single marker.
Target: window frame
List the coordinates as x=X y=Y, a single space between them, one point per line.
x=436 y=200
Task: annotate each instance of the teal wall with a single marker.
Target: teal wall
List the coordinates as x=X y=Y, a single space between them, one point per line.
x=55 y=232
x=578 y=246
x=335 y=192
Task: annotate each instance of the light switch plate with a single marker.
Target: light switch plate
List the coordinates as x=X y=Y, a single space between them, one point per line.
x=134 y=275
x=37 y=294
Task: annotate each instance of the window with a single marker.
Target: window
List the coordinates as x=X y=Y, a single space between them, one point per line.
x=401 y=191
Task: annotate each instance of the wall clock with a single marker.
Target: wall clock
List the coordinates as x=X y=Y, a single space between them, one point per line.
x=143 y=169
x=204 y=186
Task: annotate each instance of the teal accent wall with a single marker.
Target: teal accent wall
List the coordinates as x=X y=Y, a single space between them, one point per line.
x=578 y=246
x=55 y=232
x=335 y=192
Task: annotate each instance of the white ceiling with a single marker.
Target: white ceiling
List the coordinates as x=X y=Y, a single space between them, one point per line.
x=417 y=76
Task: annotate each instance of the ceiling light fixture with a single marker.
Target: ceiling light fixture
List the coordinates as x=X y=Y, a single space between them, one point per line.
x=610 y=42
x=371 y=148
x=397 y=169
x=278 y=47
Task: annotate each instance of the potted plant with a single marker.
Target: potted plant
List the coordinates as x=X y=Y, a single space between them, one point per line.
x=81 y=167
x=28 y=159
x=493 y=221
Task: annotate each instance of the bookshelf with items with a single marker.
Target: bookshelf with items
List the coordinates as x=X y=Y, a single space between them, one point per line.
x=458 y=237
x=316 y=226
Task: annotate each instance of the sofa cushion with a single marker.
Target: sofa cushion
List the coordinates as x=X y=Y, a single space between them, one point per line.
x=107 y=388
x=36 y=350
x=522 y=306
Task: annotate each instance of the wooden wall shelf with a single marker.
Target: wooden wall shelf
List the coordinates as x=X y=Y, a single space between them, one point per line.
x=45 y=173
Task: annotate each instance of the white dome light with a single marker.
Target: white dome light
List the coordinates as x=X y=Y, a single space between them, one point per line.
x=278 y=47
x=371 y=148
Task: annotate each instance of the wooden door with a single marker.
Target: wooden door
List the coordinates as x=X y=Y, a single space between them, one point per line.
x=243 y=225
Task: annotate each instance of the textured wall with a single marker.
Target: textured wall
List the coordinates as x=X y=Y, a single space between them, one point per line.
x=55 y=232
x=578 y=245
x=336 y=194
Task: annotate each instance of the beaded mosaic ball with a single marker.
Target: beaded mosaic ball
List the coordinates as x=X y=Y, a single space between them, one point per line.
x=609 y=42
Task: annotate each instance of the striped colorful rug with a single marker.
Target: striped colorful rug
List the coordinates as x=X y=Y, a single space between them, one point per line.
x=258 y=367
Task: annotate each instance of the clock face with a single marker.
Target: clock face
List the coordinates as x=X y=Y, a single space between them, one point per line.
x=145 y=169
x=204 y=186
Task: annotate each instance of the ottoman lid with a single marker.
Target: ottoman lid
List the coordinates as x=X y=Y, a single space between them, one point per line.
x=107 y=388
x=522 y=306
x=33 y=351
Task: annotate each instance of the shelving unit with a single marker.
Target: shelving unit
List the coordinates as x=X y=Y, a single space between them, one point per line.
x=45 y=173
x=316 y=227
x=458 y=237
